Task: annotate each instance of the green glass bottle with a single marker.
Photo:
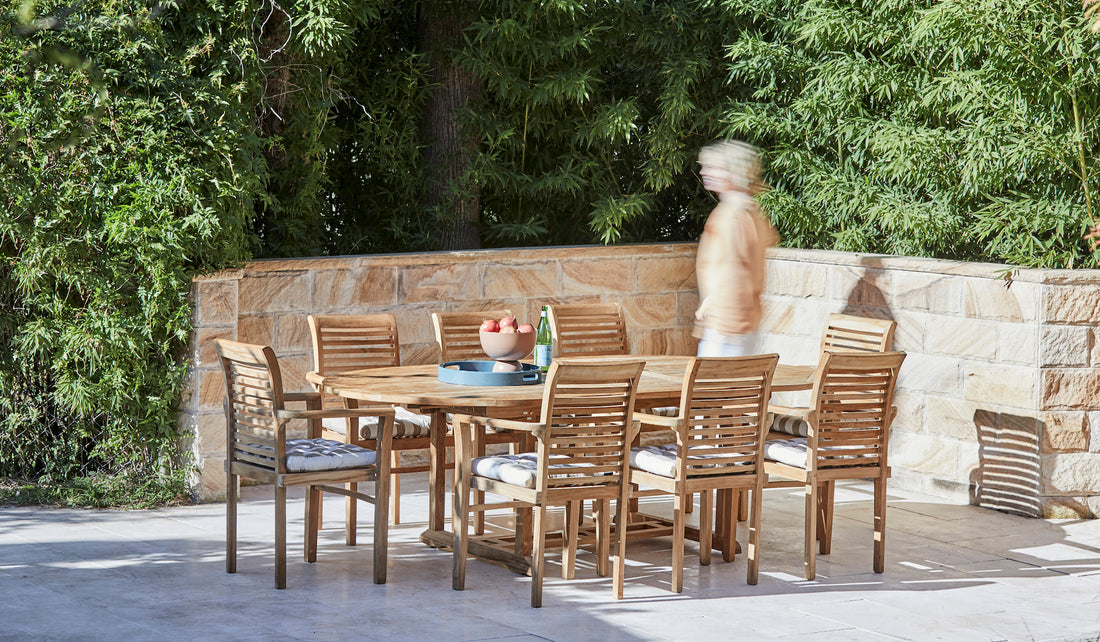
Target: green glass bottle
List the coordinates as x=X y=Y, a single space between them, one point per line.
x=544 y=342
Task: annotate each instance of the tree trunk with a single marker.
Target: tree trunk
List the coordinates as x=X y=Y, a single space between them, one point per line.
x=449 y=151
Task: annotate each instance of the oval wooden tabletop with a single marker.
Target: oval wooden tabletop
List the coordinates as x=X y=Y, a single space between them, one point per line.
x=419 y=386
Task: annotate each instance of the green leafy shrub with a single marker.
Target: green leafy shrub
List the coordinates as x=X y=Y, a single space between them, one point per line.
x=128 y=165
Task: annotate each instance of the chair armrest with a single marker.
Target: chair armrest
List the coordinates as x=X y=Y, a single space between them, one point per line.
x=792 y=411
x=337 y=413
x=312 y=399
x=504 y=424
x=657 y=420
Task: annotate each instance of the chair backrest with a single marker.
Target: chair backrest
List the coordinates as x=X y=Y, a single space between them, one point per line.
x=588 y=410
x=254 y=391
x=848 y=333
x=457 y=333
x=853 y=407
x=724 y=405
x=588 y=329
x=343 y=343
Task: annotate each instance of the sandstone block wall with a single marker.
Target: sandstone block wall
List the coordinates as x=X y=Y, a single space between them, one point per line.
x=996 y=399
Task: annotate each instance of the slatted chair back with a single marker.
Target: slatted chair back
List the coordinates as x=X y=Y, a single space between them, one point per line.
x=458 y=333
x=254 y=391
x=848 y=333
x=587 y=411
x=355 y=342
x=588 y=329
x=725 y=413
x=854 y=398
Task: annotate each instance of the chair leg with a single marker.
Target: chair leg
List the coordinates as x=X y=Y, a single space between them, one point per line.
x=313 y=504
x=706 y=516
x=880 y=525
x=619 y=573
x=742 y=506
x=825 y=517
x=395 y=491
x=810 y=544
x=570 y=533
x=689 y=505
x=678 y=509
x=537 y=561
x=601 y=509
x=726 y=510
x=351 y=515
x=522 y=544
x=381 y=526
x=755 y=506
x=280 y=537
x=231 y=523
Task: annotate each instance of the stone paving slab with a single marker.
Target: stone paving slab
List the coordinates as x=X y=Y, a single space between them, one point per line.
x=953 y=573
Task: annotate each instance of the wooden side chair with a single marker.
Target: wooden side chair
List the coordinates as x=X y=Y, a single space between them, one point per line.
x=720 y=432
x=357 y=342
x=257 y=447
x=583 y=447
x=849 y=429
x=588 y=329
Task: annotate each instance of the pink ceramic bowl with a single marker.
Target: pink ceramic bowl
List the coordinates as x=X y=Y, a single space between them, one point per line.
x=507 y=347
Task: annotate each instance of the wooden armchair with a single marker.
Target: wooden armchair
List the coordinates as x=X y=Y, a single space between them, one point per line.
x=849 y=430
x=719 y=445
x=458 y=333
x=345 y=343
x=257 y=447
x=588 y=329
x=843 y=333
x=583 y=447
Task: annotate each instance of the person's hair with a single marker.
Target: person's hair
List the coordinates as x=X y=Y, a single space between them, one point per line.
x=740 y=159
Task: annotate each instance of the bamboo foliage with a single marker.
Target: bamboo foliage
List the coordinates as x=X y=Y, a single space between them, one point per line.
x=950 y=129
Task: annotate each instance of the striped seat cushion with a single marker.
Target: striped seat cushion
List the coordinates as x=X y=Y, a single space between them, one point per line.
x=518 y=470
x=794 y=452
x=791 y=425
x=787 y=451
x=406 y=424
x=661 y=460
x=312 y=455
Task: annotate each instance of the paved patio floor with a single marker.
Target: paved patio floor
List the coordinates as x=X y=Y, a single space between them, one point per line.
x=953 y=573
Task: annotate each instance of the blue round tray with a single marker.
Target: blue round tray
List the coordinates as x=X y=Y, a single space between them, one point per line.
x=480 y=373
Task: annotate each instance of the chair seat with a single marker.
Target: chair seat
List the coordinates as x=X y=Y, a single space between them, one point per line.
x=312 y=455
x=406 y=425
x=791 y=425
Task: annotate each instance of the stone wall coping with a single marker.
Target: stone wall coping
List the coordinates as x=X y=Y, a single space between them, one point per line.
x=833 y=257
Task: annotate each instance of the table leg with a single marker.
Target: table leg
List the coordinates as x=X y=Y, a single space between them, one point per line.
x=437 y=474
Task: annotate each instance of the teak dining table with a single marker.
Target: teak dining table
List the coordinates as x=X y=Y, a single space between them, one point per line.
x=418 y=388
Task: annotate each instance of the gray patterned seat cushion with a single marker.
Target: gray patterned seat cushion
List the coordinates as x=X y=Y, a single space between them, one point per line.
x=791 y=425
x=406 y=424
x=311 y=455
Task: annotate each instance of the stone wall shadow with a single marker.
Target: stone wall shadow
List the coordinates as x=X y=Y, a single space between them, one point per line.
x=1009 y=475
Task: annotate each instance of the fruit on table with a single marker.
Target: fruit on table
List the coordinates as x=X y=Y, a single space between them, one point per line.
x=489 y=325
x=507 y=322
x=525 y=328
x=508 y=329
